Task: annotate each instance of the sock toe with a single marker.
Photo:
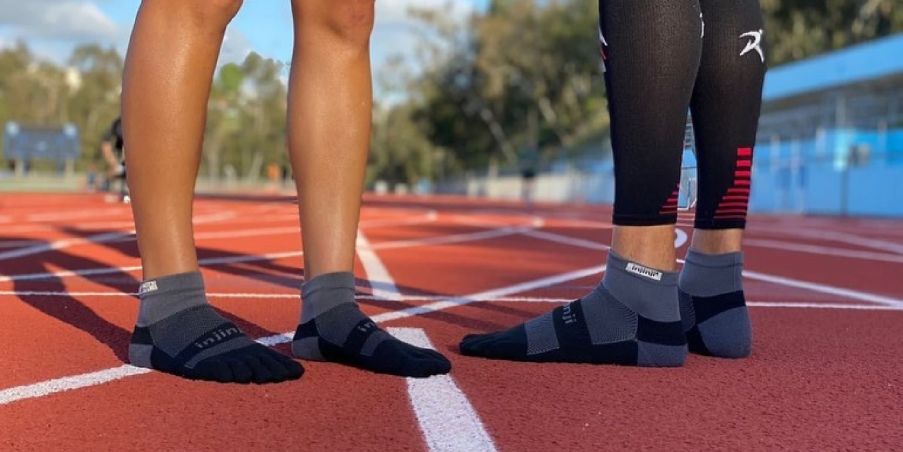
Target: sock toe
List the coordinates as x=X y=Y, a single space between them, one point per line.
x=508 y=344
x=333 y=328
x=263 y=373
x=211 y=369
x=293 y=370
x=281 y=367
x=241 y=372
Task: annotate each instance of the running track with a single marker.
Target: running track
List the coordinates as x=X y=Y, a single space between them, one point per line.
x=827 y=297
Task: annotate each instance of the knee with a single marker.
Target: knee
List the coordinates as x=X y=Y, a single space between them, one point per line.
x=348 y=21
x=205 y=13
x=216 y=11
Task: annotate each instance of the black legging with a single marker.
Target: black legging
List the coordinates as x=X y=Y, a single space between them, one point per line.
x=666 y=57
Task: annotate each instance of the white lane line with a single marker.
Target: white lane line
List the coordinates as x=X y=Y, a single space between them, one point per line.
x=774 y=279
x=824 y=288
x=840 y=306
x=842 y=237
x=106 y=237
x=63 y=384
x=494 y=293
x=211 y=261
x=381 y=281
x=286 y=230
x=261 y=296
x=429 y=217
x=18 y=243
x=71 y=215
x=438 y=240
x=64 y=243
x=823 y=250
x=447 y=419
x=558 y=238
x=430 y=298
x=449 y=239
x=104 y=376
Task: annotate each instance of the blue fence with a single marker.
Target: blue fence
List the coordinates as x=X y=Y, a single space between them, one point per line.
x=838 y=172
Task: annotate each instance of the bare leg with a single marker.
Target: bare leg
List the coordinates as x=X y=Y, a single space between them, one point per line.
x=169 y=70
x=652 y=246
x=330 y=103
x=168 y=73
x=717 y=241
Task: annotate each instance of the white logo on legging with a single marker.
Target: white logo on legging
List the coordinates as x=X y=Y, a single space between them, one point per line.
x=755 y=43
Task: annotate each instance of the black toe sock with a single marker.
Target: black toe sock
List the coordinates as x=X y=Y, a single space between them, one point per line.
x=333 y=328
x=632 y=318
x=179 y=333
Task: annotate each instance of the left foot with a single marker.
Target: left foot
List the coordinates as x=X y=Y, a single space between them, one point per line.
x=713 y=307
x=334 y=329
x=600 y=328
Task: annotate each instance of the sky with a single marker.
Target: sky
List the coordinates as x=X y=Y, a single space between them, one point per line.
x=51 y=28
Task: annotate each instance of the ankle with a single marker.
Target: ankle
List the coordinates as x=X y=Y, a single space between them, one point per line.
x=647 y=291
x=706 y=275
x=717 y=241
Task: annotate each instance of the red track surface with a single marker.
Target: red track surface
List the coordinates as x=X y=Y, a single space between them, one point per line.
x=825 y=371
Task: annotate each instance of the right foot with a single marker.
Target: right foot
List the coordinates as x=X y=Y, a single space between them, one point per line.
x=334 y=329
x=179 y=333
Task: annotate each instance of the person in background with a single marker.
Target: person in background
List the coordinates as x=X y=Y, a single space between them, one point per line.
x=112 y=149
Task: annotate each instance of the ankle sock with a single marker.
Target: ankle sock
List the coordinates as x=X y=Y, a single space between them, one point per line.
x=178 y=332
x=712 y=305
x=333 y=328
x=631 y=318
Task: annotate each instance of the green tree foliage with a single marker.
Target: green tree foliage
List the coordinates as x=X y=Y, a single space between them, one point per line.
x=246 y=118
x=514 y=80
x=523 y=75
x=797 y=29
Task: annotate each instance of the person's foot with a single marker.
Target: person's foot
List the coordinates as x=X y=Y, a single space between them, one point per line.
x=333 y=328
x=713 y=307
x=632 y=318
x=179 y=333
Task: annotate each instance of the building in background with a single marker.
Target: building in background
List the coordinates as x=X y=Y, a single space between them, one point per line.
x=830 y=142
x=831 y=134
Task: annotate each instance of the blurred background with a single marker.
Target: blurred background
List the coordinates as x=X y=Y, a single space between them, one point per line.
x=473 y=97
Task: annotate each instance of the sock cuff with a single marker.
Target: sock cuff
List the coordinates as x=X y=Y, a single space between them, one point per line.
x=649 y=292
x=641 y=272
x=327 y=281
x=166 y=296
x=715 y=260
x=171 y=283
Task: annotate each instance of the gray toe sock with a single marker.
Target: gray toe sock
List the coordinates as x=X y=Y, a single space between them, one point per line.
x=178 y=332
x=713 y=307
x=333 y=328
x=632 y=318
